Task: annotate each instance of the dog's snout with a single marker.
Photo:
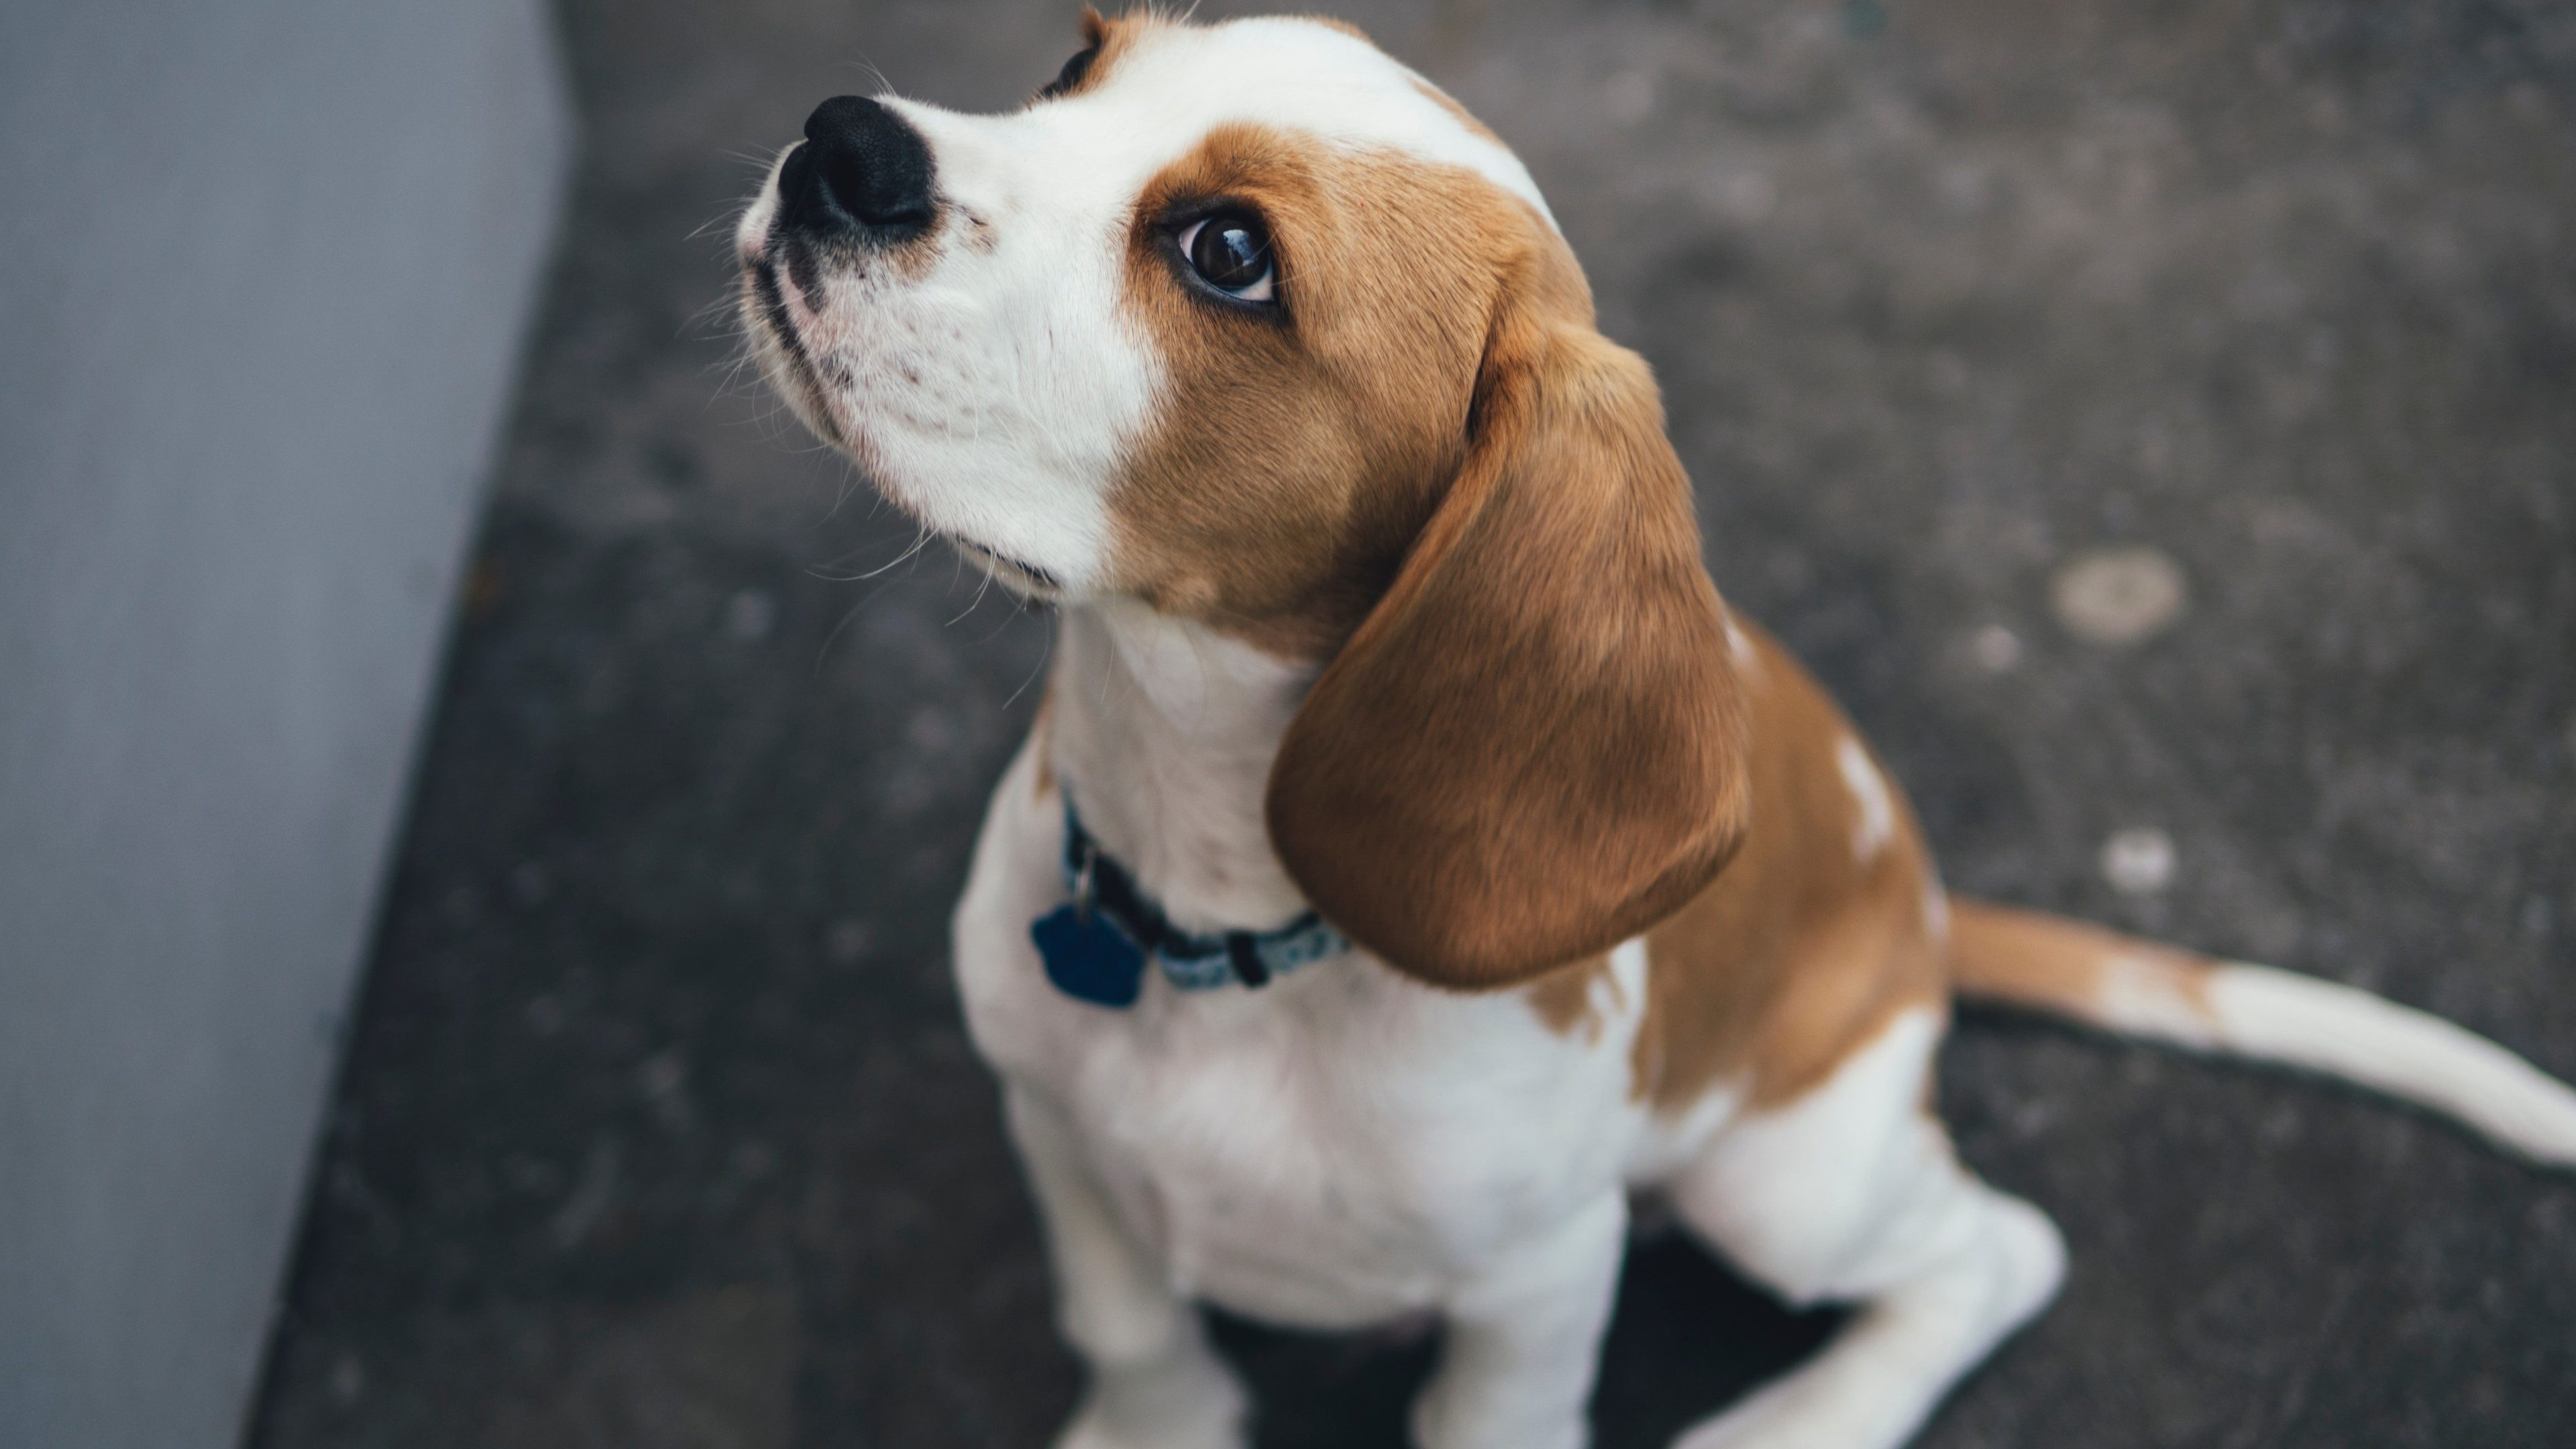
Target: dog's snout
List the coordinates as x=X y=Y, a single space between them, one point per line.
x=862 y=174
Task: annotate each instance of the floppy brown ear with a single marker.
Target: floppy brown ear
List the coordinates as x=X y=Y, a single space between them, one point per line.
x=1533 y=747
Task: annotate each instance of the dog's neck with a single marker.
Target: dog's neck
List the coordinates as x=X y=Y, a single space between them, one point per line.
x=1163 y=731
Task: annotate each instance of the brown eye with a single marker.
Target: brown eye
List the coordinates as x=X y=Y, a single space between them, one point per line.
x=1231 y=252
x=1072 y=74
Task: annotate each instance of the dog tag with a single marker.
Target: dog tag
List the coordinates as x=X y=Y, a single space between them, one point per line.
x=1088 y=958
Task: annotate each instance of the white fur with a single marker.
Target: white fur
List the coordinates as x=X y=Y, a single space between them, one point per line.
x=1851 y=1192
x=1169 y=729
x=1617 y=992
x=1739 y=646
x=2270 y=1015
x=1936 y=908
x=1339 y=1148
x=1875 y=825
x=2277 y=1016
x=2138 y=999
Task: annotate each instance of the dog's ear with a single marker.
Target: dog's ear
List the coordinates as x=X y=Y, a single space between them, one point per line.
x=1534 y=746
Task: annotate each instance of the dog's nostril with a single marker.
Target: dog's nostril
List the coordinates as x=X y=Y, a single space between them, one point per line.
x=849 y=185
x=795 y=180
x=863 y=172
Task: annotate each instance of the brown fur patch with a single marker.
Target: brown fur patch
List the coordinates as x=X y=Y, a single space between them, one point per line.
x=1531 y=748
x=2042 y=961
x=1300 y=452
x=1798 y=953
x=1040 y=740
x=1562 y=999
x=1335 y=22
x=1112 y=39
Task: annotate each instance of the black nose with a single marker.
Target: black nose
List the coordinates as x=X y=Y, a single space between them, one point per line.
x=862 y=174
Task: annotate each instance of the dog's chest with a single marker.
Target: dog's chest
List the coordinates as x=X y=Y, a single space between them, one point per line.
x=1336 y=1148
x=1342 y=1146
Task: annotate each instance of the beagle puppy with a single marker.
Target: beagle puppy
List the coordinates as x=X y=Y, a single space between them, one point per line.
x=1414 y=857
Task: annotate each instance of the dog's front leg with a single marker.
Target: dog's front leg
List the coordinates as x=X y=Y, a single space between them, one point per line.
x=1524 y=1340
x=1154 y=1382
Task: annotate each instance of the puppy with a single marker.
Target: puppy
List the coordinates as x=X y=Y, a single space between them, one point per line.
x=1415 y=857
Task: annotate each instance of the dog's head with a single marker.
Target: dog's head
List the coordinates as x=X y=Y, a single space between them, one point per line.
x=1251 y=323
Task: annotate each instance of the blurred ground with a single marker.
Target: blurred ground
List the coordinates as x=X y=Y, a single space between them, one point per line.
x=659 y=1128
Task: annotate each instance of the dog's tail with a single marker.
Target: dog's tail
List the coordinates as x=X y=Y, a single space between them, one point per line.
x=2139 y=989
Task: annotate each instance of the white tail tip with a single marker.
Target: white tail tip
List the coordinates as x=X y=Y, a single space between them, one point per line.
x=2409 y=1054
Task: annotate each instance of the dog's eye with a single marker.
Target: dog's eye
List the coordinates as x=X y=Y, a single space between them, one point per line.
x=1231 y=251
x=1072 y=74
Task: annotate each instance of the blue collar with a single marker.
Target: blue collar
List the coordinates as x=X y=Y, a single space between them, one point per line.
x=1095 y=946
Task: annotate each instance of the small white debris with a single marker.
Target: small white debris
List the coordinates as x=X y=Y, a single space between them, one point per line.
x=530 y=884
x=545 y=1016
x=662 y=1075
x=750 y=615
x=929 y=731
x=2118 y=596
x=2138 y=861
x=348 y=1380
x=663 y=1082
x=1629 y=97
x=1962 y=187
x=593 y=1194
x=1996 y=649
x=1749 y=195
x=845 y=941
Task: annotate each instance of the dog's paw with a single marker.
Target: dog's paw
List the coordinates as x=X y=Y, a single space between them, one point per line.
x=1190 y=1402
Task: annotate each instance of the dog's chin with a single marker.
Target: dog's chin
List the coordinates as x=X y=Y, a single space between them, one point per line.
x=1021 y=577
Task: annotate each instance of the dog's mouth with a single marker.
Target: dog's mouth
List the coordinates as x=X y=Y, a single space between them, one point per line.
x=777 y=318
x=774 y=272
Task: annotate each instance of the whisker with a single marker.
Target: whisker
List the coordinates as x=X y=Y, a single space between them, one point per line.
x=919 y=542
x=825 y=648
x=973 y=603
x=1046 y=654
